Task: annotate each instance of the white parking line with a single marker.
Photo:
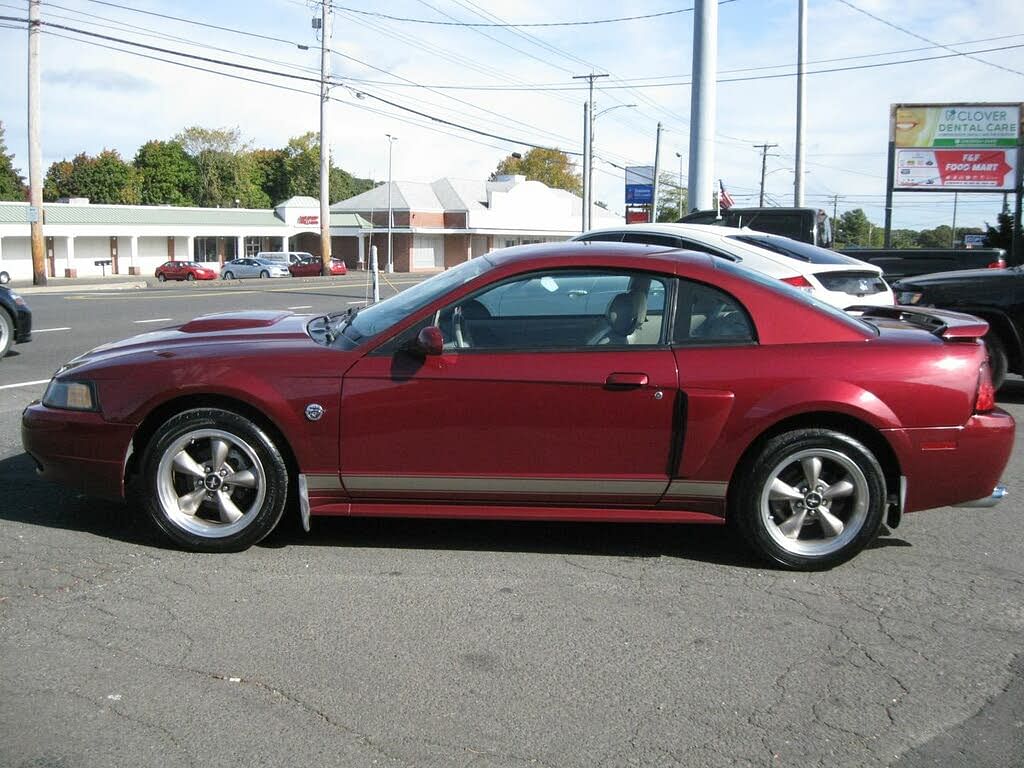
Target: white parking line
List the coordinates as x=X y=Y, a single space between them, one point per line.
x=302 y=306
x=364 y=301
x=154 y=320
x=48 y=330
x=25 y=384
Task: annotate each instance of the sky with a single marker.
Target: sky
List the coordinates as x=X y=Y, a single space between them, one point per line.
x=517 y=83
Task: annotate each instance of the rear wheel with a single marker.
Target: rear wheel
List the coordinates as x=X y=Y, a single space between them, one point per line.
x=6 y=332
x=264 y=273
x=811 y=499
x=214 y=481
x=997 y=361
x=190 y=276
x=227 y=276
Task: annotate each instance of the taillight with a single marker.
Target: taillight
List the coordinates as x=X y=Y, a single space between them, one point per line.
x=998 y=264
x=986 y=399
x=798 y=282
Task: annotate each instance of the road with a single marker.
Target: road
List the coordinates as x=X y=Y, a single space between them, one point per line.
x=435 y=643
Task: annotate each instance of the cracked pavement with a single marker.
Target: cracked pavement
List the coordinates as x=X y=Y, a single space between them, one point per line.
x=482 y=644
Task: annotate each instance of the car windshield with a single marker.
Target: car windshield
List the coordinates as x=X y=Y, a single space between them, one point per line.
x=379 y=317
x=795 y=249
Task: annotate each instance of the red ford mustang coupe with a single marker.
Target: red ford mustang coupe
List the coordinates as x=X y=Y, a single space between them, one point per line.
x=580 y=381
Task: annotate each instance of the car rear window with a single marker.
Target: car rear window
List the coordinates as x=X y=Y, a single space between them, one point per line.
x=795 y=249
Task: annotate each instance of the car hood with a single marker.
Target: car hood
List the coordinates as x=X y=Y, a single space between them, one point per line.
x=238 y=330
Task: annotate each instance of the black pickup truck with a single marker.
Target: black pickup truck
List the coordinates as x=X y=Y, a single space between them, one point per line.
x=897 y=263
x=995 y=295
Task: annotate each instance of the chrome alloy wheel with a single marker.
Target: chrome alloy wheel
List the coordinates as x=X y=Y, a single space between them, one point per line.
x=815 y=502
x=210 y=483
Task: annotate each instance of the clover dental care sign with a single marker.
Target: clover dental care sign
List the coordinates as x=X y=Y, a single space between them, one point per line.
x=956 y=147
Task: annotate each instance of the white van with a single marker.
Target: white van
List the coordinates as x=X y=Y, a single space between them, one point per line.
x=289 y=257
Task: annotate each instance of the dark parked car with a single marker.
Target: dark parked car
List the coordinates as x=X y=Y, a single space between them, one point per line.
x=995 y=295
x=15 y=320
x=898 y=263
x=571 y=381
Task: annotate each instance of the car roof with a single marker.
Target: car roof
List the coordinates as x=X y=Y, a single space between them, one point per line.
x=577 y=254
x=674 y=228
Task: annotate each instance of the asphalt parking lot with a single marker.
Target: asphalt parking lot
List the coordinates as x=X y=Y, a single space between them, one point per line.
x=423 y=643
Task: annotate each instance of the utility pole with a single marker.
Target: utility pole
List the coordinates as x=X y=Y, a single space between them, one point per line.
x=801 y=106
x=680 y=189
x=764 y=164
x=952 y=237
x=35 y=154
x=325 y=145
x=588 y=149
x=391 y=215
x=657 y=174
x=703 y=103
x=586 y=166
x=835 y=219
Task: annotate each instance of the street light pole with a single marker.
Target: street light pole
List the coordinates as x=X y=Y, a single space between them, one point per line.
x=391 y=260
x=588 y=146
x=588 y=208
x=801 y=105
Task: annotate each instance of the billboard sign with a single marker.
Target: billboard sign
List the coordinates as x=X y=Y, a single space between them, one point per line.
x=949 y=170
x=640 y=185
x=974 y=126
x=955 y=147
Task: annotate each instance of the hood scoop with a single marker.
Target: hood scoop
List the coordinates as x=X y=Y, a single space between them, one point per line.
x=234 y=321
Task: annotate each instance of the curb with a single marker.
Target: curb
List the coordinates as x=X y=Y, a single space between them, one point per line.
x=133 y=286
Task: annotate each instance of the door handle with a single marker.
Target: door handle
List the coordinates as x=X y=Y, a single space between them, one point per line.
x=626 y=380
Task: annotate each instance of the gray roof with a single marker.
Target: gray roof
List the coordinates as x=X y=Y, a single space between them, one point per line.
x=161 y=215
x=445 y=194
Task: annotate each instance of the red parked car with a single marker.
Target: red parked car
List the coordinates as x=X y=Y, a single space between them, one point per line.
x=579 y=381
x=311 y=267
x=184 y=270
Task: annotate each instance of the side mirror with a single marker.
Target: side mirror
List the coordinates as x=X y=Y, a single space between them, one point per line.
x=430 y=341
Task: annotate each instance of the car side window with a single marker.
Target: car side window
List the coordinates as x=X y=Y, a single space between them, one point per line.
x=559 y=310
x=651 y=238
x=693 y=245
x=708 y=316
x=602 y=237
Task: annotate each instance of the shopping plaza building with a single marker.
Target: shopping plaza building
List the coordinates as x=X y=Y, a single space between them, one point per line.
x=434 y=225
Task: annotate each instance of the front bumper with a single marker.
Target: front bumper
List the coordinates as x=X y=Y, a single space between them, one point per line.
x=77 y=449
x=23 y=325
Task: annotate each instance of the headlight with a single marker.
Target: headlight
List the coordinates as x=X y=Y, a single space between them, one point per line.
x=71 y=395
x=908 y=297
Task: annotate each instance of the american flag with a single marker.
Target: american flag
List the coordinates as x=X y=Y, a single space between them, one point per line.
x=725 y=200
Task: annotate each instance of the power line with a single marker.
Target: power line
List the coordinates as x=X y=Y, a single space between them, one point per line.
x=587 y=22
x=906 y=31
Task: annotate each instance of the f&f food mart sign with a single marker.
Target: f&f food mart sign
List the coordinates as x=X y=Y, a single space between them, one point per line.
x=951 y=147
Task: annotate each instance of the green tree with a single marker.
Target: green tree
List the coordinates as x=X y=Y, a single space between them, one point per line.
x=550 y=166
x=669 y=198
x=167 y=174
x=105 y=178
x=12 y=184
x=269 y=172
x=221 y=169
x=344 y=185
x=939 y=237
x=904 y=238
x=854 y=229
x=1001 y=235
x=302 y=161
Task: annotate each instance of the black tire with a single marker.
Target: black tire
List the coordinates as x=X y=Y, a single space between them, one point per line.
x=6 y=332
x=796 y=527
x=162 y=277
x=190 y=277
x=4 y=278
x=997 y=360
x=264 y=274
x=253 y=504
x=227 y=276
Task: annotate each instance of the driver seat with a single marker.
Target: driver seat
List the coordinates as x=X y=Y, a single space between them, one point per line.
x=625 y=313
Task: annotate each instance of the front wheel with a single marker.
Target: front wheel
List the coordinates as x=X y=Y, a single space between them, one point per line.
x=213 y=481
x=190 y=277
x=810 y=500
x=6 y=332
x=162 y=277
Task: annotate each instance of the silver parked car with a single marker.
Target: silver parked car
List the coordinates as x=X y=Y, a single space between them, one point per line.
x=254 y=268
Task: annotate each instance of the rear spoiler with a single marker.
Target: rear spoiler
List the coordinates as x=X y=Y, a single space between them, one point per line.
x=953 y=326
